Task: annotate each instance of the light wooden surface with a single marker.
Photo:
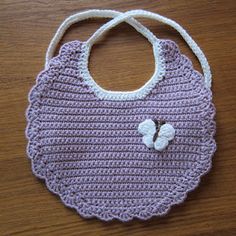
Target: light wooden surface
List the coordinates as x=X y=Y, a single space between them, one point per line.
x=123 y=60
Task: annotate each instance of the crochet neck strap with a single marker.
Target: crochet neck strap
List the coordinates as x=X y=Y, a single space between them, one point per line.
x=119 y=17
x=92 y=14
x=142 y=13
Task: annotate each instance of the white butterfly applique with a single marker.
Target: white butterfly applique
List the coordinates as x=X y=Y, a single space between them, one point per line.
x=156 y=134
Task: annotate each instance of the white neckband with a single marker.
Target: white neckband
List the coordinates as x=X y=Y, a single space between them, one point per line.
x=83 y=63
x=142 y=13
x=92 y=14
x=139 y=27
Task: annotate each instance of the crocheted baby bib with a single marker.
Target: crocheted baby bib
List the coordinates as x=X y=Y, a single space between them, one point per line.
x=120 y=155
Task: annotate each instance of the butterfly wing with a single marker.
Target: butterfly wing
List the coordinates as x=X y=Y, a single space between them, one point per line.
x=148 y=140
x=147 y=127
x=167 y=131
x=161 y=143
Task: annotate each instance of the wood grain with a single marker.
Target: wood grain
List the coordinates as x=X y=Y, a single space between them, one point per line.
x=123 y=60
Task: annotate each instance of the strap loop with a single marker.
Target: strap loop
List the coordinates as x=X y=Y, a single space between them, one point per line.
x=119 y=17
x=91 y=14
x=142 y=13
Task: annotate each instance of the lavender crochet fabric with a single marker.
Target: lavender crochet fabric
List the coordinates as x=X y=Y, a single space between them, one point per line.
x=89 y=151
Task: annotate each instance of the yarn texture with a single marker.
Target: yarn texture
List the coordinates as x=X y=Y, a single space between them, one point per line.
x=89 y=150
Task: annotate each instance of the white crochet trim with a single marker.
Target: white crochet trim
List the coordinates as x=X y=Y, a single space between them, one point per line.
x=139 y=27
x=124 y=95
x=142 y=13
x=92 y=14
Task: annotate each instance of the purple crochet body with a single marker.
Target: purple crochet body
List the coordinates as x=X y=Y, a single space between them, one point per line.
x=90 y=153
